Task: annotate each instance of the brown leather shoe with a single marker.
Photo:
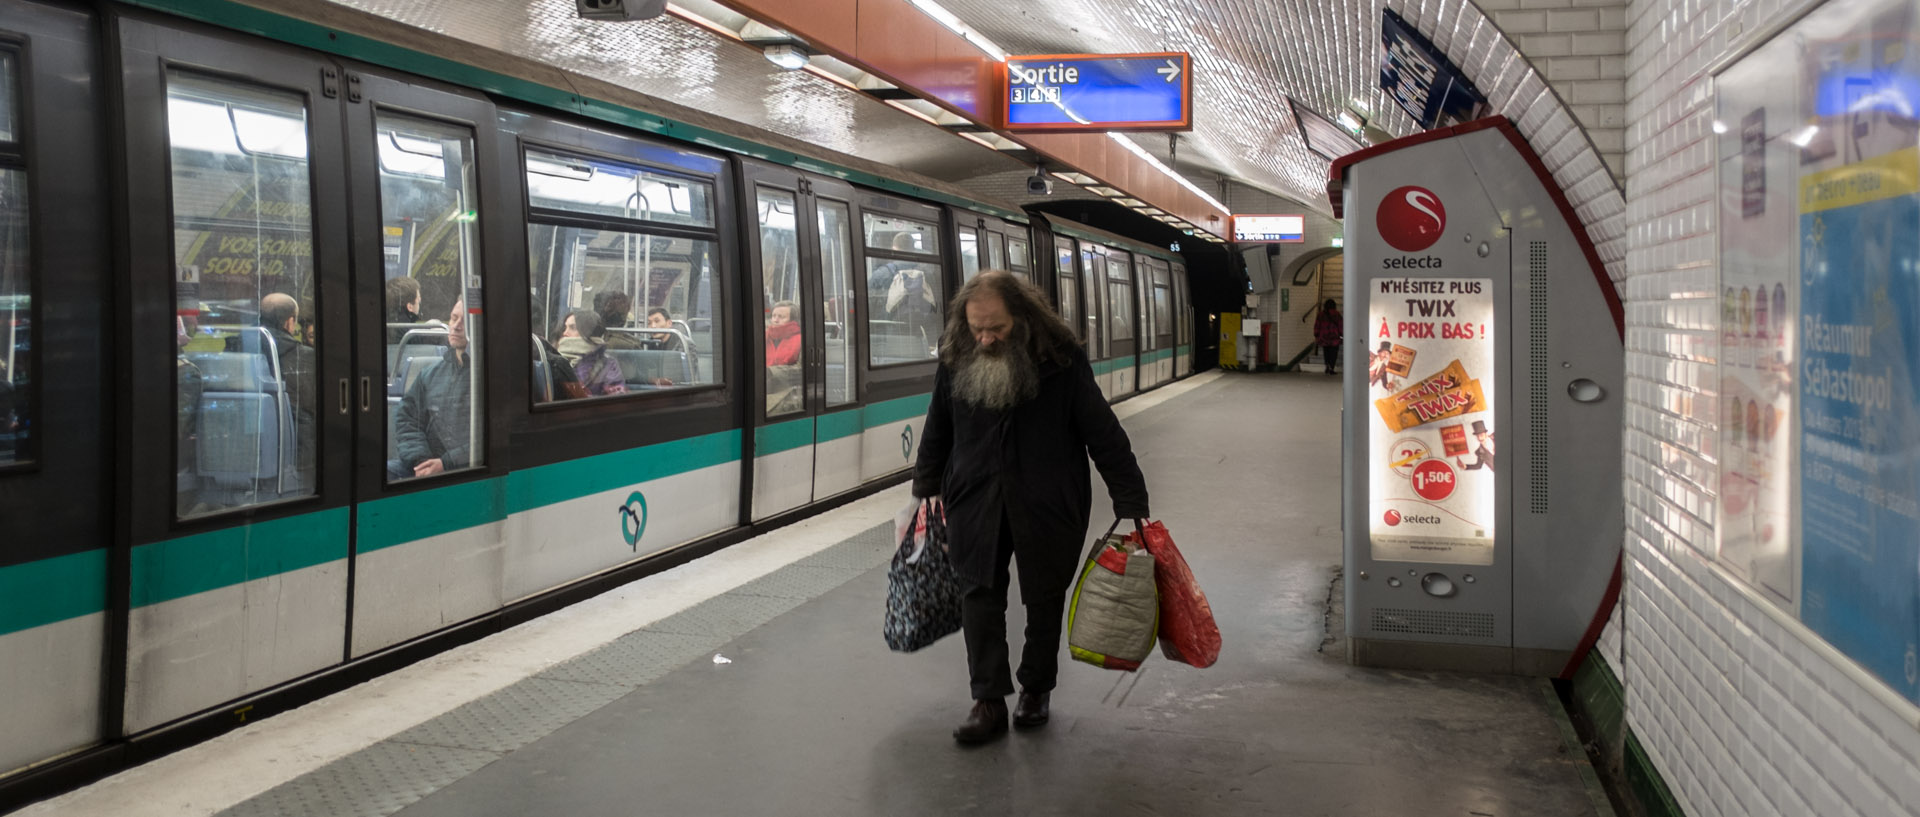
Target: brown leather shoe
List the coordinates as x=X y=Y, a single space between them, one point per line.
x=987 y=721
x=1031 y=711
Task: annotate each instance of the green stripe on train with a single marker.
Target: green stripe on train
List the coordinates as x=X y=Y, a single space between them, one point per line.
x=773 y=439
x=893 y=411
x=182 y=567
x=841 y=424
x=36 y=594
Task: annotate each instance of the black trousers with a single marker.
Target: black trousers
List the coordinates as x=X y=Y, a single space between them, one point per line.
x=983 y=619
x=1333 y=356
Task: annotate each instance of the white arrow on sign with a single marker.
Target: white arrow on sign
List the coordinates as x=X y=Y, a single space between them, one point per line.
x=1171 y=70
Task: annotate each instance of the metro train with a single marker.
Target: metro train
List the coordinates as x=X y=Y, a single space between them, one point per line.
x=236 y=474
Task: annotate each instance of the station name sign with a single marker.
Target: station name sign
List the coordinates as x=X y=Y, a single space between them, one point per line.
x=1098 y=92
x=1278 y=229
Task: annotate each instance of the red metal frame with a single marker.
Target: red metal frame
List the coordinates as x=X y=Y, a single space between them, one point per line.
x=1002 y=88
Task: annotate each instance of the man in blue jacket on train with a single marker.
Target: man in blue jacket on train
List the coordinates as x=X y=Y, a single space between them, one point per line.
x=434 y=430
x=1015 y=414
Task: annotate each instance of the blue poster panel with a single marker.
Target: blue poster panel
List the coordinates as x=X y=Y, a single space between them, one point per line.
x=1860 y=411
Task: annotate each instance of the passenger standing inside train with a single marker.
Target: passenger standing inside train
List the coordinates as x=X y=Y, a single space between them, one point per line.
x=434 y=430
x=579 y=343
x=783 y=335
x=1015 y=414
x=1326 y=332
x=280 y=314
x=403 y=306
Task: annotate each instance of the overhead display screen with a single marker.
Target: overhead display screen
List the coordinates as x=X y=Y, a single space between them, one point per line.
x=1099 y=92
x=1281 y=229
x=1419 y=77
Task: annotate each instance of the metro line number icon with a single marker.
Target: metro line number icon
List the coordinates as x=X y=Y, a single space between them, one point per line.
x=1411 y=218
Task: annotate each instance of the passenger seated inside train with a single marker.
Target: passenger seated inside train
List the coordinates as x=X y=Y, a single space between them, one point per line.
x=612 y=306
x=433 y=432
x=578 y=340
x=783 y=358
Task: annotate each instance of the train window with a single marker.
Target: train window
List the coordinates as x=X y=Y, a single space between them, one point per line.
x=1017 y=254
x=969 y=254
x=589 y=284
x=246 y=390
x=904 y=294
x=1162 y=316
x=16 y=287
x=996 y=251
x=1069 y=286
x=781 y=319
x=836 y=274
x=1093 y=270
x=599 y=187
x=1120 y=303
x=436 y=409
x=9 y=99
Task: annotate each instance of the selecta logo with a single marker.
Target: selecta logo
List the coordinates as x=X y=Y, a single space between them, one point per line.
x=1393 y=518
x=1411 y=218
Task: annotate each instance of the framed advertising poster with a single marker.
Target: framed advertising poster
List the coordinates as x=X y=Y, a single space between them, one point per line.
x=1819 y=461
x=1430 y=374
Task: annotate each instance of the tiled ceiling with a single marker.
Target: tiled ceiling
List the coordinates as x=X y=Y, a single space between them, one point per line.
x=1250 y=56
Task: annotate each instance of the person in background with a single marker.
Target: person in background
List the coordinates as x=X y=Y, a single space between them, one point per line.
x=433 y=432
x=612 y=307
x=1326 y=332
x=783 y=335
x=1014 y=416
x=403 y=306
x=595 y=368
x=658 y=318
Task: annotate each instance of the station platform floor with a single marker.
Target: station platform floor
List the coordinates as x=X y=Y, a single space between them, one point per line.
x=755 y=681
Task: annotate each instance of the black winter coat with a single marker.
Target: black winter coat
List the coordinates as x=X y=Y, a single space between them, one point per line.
x=1030 y=463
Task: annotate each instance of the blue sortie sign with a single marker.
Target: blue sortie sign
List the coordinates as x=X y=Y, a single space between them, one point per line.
x=1091 y=92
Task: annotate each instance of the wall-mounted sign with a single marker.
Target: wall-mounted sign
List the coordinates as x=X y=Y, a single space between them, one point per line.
x=1285 y=229
x=1419 y=77
x=1098 y=92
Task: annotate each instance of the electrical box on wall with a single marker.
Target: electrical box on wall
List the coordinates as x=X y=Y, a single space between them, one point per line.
x=1482 y=445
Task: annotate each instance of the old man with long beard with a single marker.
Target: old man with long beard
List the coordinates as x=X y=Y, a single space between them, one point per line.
x=1015 y=414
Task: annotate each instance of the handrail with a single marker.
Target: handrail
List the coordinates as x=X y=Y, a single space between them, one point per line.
x=280 y=393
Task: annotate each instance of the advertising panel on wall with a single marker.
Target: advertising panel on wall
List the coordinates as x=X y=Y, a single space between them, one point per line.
x=1430 y=372
x=1819 y=183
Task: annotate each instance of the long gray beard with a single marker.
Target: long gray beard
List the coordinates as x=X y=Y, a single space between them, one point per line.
x=998 y=381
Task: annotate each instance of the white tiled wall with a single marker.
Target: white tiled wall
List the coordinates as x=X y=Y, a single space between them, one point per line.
x=1580 y=45
x=1742 y=713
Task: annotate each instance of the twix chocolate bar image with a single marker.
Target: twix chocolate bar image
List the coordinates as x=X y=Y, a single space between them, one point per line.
x=1444 y=394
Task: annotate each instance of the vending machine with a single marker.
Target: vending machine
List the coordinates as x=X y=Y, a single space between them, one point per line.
x=1484 y=403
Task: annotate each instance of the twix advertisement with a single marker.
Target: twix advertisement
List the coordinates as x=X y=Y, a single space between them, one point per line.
x=1434 y=445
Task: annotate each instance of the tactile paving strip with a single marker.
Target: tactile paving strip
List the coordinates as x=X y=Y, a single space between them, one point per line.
x=515 y=716
x=397 y=772
x=380 y=780
x=634 y=659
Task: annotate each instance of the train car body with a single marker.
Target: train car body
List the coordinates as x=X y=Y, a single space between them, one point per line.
x=319 y=365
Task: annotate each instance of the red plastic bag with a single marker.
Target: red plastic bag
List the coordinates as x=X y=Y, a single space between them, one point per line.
x=1187 y=631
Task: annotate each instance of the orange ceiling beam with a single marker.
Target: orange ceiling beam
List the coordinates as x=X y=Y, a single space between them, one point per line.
x=900 y=44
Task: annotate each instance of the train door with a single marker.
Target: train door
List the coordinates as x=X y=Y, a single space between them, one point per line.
x=240 y=484
x=1093 y=278
x=1067 y=291
x=57 y=351
x=423 y=339
x=811 y=439
x=1157 y=311
x=1020 y=259
x=1183 y=323
x=1123 y=322
x=971 y=241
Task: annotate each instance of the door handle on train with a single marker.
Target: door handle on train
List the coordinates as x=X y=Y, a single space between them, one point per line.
x=366 y=393
x=345 y=399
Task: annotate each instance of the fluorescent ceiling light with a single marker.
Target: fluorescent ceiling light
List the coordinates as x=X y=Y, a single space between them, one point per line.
x=953 y=24
x=1349 y=121
x=1184 y=181
x=788 y=56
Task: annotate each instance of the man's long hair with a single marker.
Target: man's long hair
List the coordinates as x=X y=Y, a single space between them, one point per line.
x=1048 y=337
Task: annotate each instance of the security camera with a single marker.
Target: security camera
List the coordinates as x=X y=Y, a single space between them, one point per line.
x=1039 y=185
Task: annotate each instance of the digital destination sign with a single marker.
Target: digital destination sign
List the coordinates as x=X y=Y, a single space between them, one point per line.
x=1098 y=92
x=1419 y=77
x=1283 y=229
